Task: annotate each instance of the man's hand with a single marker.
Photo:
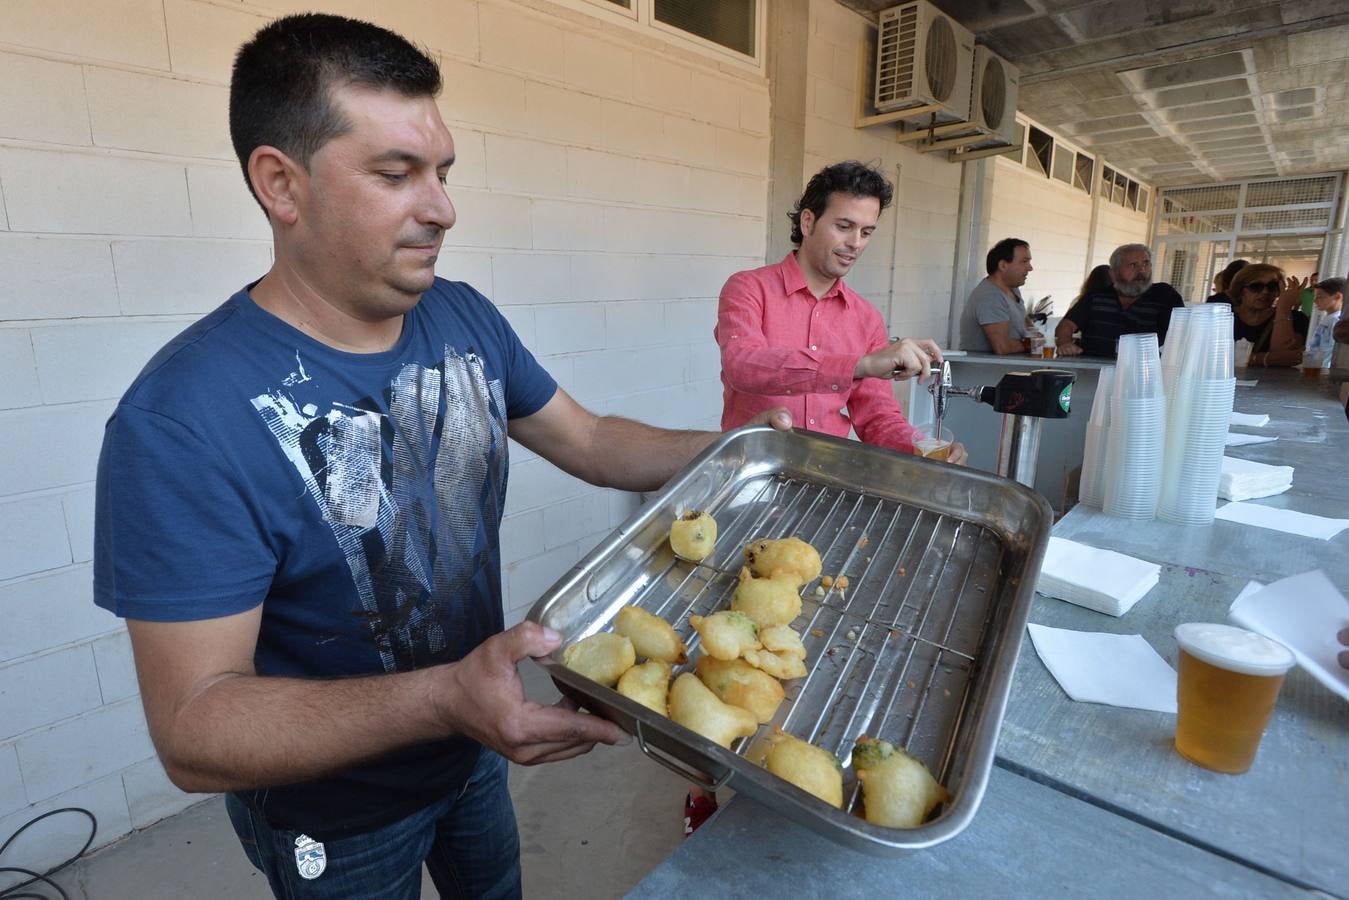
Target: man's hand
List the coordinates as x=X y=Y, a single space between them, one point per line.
x=958 y=455
x=1068 y=349
x=904 y=358
x=779 y=418
x=481 y=696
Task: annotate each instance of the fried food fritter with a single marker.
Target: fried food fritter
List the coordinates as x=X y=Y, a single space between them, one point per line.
x=768 y=558
x=768 y=601
x=726 y=634
x=782 y=640
x=897 y=789
x=601 y=657
x=652 y=637
x=648 y=684
x=812 y=769
x=693 y=535
x=779 y=665
x=695 y=707
x=738 y=683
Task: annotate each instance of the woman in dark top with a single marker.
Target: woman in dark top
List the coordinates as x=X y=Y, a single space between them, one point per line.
x=1265 y=312
x=1224 y=278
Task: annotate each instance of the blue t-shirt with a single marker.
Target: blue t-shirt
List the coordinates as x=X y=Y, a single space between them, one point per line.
x=356 y=496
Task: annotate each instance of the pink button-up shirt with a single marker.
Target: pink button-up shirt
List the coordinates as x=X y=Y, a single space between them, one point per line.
x=782 y=347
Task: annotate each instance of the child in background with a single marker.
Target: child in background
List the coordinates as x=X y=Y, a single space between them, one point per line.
x=1330 y=301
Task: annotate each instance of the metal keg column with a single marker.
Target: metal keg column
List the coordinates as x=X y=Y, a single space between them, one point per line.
x=1025 y=399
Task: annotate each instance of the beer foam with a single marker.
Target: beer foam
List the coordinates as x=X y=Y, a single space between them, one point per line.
x=1234 y=649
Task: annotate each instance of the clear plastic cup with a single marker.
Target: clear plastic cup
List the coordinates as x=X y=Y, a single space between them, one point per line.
x=936 y=446
x=1226 y=688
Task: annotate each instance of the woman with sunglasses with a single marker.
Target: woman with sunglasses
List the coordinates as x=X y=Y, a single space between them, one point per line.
x=1266 y=313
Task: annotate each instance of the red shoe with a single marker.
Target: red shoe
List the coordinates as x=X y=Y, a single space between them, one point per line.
x=697 y=810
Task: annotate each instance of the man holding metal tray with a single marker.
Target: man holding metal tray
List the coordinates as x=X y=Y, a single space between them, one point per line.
x=793 y=334
x=299 y=500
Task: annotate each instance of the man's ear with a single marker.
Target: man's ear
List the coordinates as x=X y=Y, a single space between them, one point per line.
x=807 y=222
x=278 y=181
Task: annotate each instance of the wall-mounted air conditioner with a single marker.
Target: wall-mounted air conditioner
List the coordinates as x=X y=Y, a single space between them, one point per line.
x=993 y=109
x=924 y=58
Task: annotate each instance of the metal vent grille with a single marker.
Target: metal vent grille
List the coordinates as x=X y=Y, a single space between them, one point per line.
x=1291 y=190
x=993 y=93
x=1283 y=219
x=941 y=59
x=1198 y=199
x=1206 y=224
x=895 y=51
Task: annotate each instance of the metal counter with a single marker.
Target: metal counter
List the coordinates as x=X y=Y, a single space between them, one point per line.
x=1092 y=800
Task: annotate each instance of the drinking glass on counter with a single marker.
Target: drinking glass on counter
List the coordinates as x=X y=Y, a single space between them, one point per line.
x=1227 y=683
x=935 y=446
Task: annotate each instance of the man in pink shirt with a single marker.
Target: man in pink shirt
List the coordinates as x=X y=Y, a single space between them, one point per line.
x=793 y=334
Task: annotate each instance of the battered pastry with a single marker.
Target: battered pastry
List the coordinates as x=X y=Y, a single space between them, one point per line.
x=897 y=789
x=695 y=707
x=601 y=657
x=652 y=637
x=812 y=769
x=738 y=683
x=768 y=558
x=693 y=536
x=648 y=684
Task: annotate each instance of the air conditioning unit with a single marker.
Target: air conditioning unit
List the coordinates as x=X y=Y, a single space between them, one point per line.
x=993 y=109
x=924 y=58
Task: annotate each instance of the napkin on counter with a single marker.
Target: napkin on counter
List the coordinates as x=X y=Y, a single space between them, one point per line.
x=1249 y=419
x=1302 y=612
x=1252 y=382
x=1103 y=580
x=1281 y=520
x=1244 y=479
x=1118 y=669
x=1237 y=439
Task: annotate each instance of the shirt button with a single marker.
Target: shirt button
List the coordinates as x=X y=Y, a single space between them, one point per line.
x=813 y=347
x=789 y=390
x=812 y=421
x=834 y=386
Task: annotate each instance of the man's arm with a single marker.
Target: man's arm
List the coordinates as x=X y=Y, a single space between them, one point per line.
x=612 y=452
x=1000 y=338
x=1285 y=344
x=1064 y=344
x=218 y=726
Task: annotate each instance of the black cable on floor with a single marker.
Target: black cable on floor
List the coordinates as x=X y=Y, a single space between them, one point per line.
x=12 y=892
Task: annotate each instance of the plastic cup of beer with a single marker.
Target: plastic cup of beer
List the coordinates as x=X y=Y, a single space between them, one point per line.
x=1313 y=362
x=1228 y=681
x=935 y=446
x=1047 y=351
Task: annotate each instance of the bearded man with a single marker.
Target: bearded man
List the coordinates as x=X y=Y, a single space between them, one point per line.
x=1133 y=304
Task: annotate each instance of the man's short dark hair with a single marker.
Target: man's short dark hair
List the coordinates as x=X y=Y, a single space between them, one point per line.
x=853 y=178
x=1003 y=251
x=281 y=91
x=1331 y=286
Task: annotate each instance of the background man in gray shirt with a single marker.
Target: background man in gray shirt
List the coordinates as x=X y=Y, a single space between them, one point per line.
x=995 y=316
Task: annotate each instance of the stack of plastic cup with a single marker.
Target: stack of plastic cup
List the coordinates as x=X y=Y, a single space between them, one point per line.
x=1132 y=478
x=1198 y=414
x=1098 y=437
x=1174 y=348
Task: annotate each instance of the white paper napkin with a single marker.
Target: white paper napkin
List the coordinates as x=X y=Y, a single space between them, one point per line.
x=1118 y=669
x=1304 y=613
x=1250 y=419
x=1236 y=439
x=1282 y=520
x=1244 y=479
x=1103 y=580
x=1247 y=383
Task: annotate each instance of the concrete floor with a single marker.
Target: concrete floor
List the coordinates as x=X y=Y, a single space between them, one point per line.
x=589 y=827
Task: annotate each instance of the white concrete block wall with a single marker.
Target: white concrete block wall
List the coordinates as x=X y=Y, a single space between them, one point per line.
x=907 y=269
x=607 y=184
x=1054 y=218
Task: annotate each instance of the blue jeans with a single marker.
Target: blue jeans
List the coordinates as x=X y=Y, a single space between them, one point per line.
x=469 y=842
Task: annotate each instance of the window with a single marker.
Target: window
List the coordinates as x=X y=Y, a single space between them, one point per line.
x=731 y=28
x=1117 y=196
x=1040 y=147
x=1107 y=181
x=1131 y=194
x=1143 y=199
x=728 y=23
x=1063 y=164
x=1084 y=167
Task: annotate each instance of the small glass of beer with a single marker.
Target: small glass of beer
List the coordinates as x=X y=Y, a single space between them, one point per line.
x=936 y=446
x=1225 y=691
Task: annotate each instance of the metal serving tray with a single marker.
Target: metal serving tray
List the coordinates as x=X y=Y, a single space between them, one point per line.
x=919 y=649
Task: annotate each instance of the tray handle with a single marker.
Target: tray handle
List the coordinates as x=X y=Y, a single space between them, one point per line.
x=693 y=775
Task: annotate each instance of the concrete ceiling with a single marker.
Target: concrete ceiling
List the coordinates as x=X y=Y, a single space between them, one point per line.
x=1179 y=92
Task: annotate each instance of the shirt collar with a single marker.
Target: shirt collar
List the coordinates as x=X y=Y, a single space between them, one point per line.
x=794 y=280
